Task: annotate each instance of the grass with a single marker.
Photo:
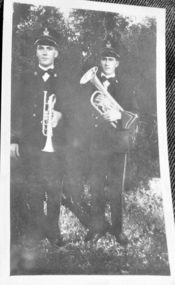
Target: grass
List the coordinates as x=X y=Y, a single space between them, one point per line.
x=146 y=253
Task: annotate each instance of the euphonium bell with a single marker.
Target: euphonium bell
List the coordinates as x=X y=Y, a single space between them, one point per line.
x=47 y=121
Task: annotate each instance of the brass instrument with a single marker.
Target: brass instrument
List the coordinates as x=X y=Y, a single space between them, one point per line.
x=105 y=101
x=46 y=123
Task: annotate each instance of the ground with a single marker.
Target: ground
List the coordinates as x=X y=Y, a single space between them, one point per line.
x=145 y=254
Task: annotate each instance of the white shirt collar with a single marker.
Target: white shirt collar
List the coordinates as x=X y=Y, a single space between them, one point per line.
x=108 y=76
x=46 y=68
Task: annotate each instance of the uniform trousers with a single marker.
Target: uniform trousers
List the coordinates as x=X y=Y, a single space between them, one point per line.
x=40 y=195
x=75 y=178
x=111 y=169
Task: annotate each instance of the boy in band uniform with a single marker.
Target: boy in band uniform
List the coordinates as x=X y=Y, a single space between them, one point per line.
x=40 y=153
x=107 y=146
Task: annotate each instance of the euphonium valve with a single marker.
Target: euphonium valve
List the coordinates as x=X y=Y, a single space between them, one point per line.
x=47 y=129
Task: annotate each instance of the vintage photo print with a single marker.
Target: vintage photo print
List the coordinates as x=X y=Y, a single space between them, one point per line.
x=85 y=193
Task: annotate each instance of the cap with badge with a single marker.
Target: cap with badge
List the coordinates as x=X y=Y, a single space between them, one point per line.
x=47 y=37
x=108 y=48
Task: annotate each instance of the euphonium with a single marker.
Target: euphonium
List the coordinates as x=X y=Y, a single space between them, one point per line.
x=47 y=123
x=102 y=100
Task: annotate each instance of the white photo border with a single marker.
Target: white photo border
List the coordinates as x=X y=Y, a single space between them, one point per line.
x=5 y=277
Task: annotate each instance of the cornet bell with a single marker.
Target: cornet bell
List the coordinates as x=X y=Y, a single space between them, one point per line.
x=48 y=146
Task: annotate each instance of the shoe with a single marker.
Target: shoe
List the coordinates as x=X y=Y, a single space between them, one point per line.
x=59 y=242
x=90 y=236
x=121 y=238
x=93 y=236
x=107 y=228
x=98 y=236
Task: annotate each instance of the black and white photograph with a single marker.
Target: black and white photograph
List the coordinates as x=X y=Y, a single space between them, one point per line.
x=86 y=194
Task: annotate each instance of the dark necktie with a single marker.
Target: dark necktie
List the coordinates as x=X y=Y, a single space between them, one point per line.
x=110 y=80
x=49 y=71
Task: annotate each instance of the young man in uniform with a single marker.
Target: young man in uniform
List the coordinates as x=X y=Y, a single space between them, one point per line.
x=38 y=128
x=107 y=143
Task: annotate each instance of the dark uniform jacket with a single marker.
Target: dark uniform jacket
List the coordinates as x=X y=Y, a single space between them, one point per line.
x=97 y=135
x=27 y=110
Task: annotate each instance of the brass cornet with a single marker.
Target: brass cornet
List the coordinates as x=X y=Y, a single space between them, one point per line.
x=105 y=101
x=47 y=121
